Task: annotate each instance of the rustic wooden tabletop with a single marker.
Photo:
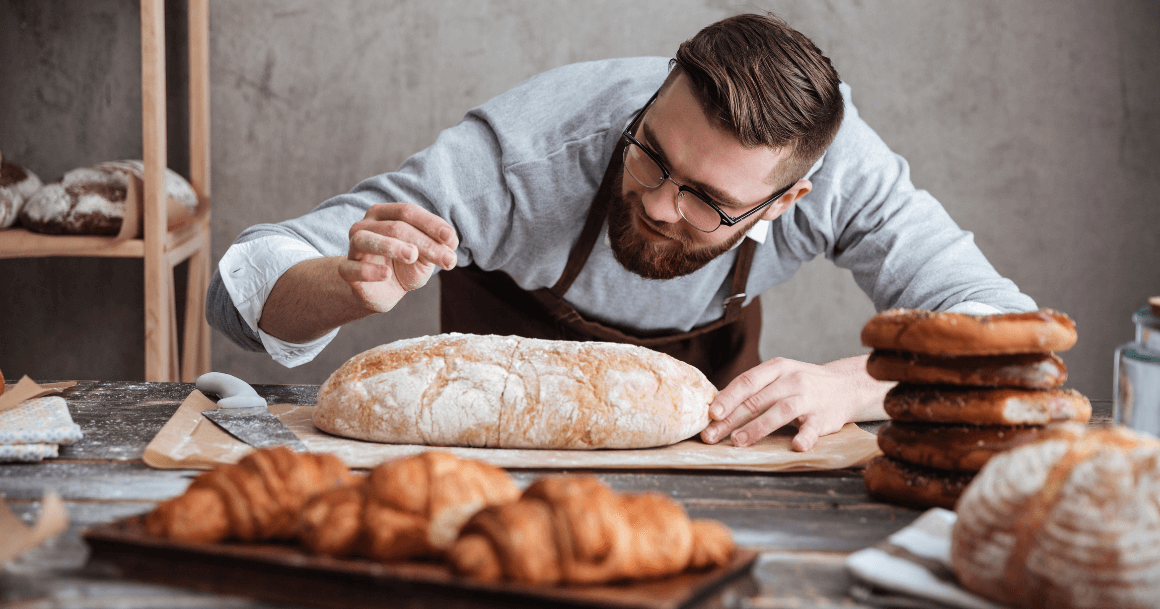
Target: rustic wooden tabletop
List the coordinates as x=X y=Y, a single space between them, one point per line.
x=804 y=524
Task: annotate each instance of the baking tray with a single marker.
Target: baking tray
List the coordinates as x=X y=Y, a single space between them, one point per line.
x=285 y=574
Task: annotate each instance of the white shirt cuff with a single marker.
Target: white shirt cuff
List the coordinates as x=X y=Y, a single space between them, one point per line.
x=974 y=308
x=249 y=271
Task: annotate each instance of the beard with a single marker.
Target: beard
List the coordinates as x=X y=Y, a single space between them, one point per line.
x=664 y=260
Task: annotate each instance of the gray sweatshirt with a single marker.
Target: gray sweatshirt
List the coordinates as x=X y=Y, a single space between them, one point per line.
x=515 y=179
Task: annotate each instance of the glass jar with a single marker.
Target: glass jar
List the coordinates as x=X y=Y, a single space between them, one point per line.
x=1136 y=394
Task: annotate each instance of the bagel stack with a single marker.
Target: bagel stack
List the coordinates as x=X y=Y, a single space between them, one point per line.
x=969 y=387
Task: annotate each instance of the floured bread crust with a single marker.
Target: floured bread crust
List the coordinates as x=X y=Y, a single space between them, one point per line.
x=1067 y=522
x=1032 y=370
x=985 y=406
x=944 y=333
x=17 y=185
x=511 y=392
x=91 y=200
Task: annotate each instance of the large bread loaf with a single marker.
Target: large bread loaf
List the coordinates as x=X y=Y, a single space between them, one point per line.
x=1068 y=521
x=511 y=392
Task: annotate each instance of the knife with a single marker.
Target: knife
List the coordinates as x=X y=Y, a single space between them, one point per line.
x=244 y=414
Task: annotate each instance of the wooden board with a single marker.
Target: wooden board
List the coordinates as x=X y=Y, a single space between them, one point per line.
x=284 y=574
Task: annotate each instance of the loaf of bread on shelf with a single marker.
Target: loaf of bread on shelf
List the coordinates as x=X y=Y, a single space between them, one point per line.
x=1069 y=521
x=511 y=392
x=91 y=200
x=407 y=508
x=17 y=185
x=257 y=498
x=575 y=530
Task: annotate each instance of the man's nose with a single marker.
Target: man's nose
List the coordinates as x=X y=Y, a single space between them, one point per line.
x=660 y=203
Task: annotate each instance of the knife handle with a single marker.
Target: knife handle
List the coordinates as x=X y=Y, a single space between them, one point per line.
x=233 y=391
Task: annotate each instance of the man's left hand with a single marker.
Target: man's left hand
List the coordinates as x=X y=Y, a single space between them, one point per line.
x=820 y=399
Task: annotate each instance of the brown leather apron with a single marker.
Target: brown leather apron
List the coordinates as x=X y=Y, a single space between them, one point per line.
x=475 y=301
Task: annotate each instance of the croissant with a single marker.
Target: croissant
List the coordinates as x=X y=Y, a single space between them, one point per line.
x=256 y=499
x=575 y=530
x=412 y=507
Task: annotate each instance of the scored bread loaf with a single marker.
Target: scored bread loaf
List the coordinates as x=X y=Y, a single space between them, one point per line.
x=1067 y=521
x=511 y=392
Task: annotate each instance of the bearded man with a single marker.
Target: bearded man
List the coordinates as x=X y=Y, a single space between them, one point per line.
x=645 y=200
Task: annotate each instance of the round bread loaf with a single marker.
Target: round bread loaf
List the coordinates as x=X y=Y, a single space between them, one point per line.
x=913 y=485
x=511 y=392
x=91 y=200
x=1068 y=522
x=17 y=185
x=964 y=448
x=985 y=406
x=944 y=333
x=1034 y=370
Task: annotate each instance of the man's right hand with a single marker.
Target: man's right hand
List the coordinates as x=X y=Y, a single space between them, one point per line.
x=394 y=249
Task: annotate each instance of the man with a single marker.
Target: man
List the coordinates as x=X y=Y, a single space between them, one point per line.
x=633 y=200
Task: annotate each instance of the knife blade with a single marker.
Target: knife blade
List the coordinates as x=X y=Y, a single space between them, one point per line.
x=244 y=414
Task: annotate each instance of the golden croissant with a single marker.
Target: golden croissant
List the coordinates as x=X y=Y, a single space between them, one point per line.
x=412 y=507
x=575 y=530
x=256 y=499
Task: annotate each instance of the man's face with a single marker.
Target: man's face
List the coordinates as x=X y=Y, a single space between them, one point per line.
x=647 y=233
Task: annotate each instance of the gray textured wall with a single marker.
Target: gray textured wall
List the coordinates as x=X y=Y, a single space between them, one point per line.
x=1036 y=123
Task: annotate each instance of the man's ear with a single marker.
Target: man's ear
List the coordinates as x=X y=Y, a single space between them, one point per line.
x=785 y=201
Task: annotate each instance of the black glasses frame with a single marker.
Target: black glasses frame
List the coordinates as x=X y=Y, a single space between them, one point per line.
x=726 y=219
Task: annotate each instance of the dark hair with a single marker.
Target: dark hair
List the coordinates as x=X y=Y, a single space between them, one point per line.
x=767 y=84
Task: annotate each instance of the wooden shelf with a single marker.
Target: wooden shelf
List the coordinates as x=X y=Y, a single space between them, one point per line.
x=161 y=246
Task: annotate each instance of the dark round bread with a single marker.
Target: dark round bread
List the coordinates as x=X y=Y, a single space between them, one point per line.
x=944 y=333
x=950 y=447
x=1032 y=370
x=91 y=200
x=985 y=406
x=912 y=485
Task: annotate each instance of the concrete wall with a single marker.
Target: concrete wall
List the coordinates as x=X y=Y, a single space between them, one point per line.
x=1036 y=123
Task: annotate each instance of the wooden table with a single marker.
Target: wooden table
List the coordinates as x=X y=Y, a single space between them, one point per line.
x=805 y=524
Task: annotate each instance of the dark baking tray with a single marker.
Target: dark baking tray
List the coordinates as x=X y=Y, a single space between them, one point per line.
x=285 y=574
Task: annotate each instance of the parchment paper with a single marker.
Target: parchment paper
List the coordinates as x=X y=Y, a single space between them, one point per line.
x=191 y=441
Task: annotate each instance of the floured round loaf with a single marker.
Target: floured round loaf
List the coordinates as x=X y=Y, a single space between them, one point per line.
x=512 y=392
x=944 y=333
x=17 y=185
x=1069 y=521
x=91 y=200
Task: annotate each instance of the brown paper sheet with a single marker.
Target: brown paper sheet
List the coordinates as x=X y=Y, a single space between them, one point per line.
x=28 y=389
x=191 y=441
x=17 y=538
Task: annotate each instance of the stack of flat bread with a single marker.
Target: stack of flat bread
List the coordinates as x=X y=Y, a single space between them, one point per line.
x=969 y=387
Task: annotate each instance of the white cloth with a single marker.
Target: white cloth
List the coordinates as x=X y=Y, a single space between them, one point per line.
x=33 y=430
x=914 y=565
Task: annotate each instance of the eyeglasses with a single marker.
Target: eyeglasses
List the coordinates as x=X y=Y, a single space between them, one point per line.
x=697 y=209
